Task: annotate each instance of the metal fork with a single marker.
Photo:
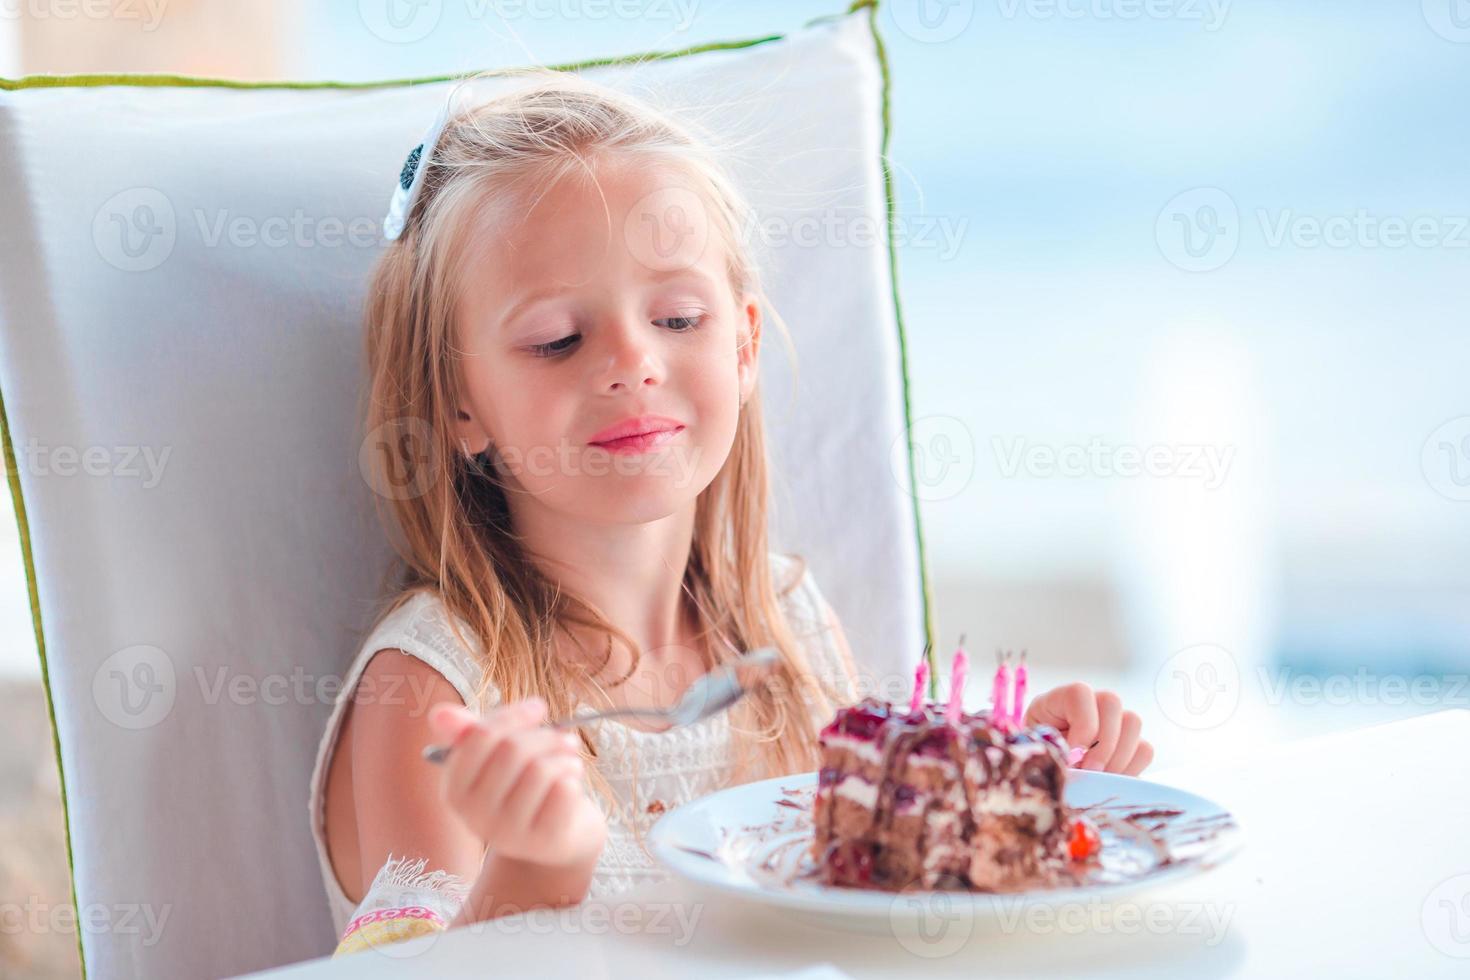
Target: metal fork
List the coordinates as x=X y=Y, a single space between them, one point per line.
x=707 y=696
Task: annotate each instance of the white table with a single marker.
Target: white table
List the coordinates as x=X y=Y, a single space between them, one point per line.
x=1356 y=863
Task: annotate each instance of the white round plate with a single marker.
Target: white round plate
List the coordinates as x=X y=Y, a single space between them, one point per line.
x=753 y=841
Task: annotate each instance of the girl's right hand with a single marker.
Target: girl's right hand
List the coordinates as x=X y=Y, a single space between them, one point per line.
x=520 y=787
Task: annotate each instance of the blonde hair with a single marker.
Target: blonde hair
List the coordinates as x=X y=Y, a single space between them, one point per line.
x=454 y=533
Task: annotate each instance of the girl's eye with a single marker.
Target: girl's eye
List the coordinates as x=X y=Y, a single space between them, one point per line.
x=680 y=324
x=555 y=347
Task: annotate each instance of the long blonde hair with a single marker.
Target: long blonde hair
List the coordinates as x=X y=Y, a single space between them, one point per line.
x=453 y=532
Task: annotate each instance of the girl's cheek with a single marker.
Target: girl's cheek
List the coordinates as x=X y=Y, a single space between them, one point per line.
x=716 y=357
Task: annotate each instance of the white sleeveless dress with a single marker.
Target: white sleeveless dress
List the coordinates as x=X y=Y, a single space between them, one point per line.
x=649 y=773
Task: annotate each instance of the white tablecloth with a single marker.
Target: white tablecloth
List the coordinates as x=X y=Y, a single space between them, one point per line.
x=1357 y=863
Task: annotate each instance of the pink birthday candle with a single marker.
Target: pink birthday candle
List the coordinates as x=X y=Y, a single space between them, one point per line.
x=921 y=675
x=999 y=713
x=1018 y=700
x=957 y=671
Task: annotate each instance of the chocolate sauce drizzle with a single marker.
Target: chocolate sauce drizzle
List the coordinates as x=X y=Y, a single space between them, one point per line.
x=1139 y=840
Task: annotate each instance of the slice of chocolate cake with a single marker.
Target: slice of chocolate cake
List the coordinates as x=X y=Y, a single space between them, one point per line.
x=911 y=798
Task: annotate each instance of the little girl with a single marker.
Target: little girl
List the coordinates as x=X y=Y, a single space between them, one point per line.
x=562 y=341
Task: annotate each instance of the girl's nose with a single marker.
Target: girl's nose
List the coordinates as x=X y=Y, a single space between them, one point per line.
x=631 y=357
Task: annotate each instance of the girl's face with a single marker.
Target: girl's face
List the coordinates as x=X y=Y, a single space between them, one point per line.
x=605 y=304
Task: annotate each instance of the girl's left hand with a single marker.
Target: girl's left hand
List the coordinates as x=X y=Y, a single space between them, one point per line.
x=1084 y=716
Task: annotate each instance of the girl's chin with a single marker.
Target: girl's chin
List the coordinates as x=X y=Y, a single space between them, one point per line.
x=625 y=499
x=671 y=466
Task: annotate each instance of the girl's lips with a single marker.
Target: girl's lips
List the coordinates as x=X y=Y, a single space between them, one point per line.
x=640 y=443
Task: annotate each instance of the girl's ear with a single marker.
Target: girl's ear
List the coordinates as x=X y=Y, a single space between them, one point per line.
x=748 y=351
x=470 y=436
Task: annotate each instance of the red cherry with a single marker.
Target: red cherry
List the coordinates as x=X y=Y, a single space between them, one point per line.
x=1084 y=842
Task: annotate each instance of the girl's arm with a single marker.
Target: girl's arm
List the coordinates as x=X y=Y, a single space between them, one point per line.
x=509 y=786
x=522 y=789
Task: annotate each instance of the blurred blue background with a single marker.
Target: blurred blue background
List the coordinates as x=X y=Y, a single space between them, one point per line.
x=1225 y=239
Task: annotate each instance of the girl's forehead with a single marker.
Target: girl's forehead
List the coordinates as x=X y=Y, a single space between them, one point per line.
x=604 y=201
x=627 y=223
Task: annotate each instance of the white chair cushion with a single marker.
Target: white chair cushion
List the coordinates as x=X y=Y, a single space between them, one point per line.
x=181 y=297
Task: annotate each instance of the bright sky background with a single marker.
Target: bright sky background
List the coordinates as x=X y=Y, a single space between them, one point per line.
x=1054 y=139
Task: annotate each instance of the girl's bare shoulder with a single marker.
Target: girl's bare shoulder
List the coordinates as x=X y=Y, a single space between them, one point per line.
x=420 y=625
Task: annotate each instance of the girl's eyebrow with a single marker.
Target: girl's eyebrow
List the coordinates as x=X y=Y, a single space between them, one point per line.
x=530 y=299
x=689 y=272
x=660 y=276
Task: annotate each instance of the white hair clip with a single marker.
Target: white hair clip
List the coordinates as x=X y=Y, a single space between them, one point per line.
x=411 y=177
